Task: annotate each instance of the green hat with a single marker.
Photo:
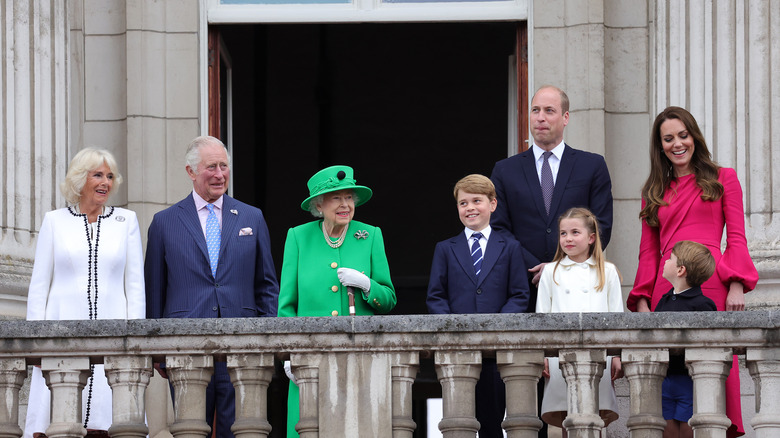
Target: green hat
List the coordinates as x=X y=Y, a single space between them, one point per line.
x=333 y=179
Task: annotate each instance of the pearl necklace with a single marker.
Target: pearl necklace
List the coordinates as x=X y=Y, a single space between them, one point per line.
x=338 y=241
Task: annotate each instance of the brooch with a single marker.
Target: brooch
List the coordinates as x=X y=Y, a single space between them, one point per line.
x=234 y=211
x=361 y=234
x=120 y=218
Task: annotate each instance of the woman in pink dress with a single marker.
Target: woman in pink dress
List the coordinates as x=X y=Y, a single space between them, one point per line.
x=689 y=197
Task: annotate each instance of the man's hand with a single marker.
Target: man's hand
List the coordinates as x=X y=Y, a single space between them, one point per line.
x=537 y=271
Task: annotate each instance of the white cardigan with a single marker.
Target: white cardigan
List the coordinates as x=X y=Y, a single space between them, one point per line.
x=58 y=287
x=58 y=290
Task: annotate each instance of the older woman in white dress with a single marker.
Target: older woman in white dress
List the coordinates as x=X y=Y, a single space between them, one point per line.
x=88 y=265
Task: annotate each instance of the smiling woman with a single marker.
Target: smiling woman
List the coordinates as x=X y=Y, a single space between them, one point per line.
x=333 y=266
x=74 y=244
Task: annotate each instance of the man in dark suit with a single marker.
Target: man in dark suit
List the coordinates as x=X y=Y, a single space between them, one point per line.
x=480 y=270
x=537 y=186
x=209 y=256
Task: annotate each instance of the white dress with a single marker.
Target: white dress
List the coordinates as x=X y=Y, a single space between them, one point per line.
x=58 y=291
x=575 y=291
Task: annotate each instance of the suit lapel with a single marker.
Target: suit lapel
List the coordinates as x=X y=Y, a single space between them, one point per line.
x=229 y=222
x=493 y=250
x=564 y=173
x=189 y=218
x=462 y=252
x=532 y=181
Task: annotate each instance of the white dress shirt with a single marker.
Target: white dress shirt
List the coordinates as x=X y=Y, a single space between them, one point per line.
x=483 y=241
x=203 y=211
x=554 y=160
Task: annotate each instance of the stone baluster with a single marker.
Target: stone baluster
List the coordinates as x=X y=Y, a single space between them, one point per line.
x=251 y=374
x=306 y=368
x=764 y=367
x=128 y=377
x=709 y=368
x=404 y=368
x=521 y=371
x=458 y=372
x=189 y=376
x=66 y=377
x=12 y=374
x=645 y=371
x=582 y=370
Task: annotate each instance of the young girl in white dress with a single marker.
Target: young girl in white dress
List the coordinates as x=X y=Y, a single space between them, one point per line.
x=578 y=280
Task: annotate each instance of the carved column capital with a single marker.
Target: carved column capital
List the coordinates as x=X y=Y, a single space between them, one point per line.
x=404 y=367
x=582 y=370
x=12 y=375
x=709 y=368
x=251 y=374
x=66 y=377
x=645 y=370
x=189 y=376
x=306 y=369
x=764 y=367
x=128 y=377
x=458 y=372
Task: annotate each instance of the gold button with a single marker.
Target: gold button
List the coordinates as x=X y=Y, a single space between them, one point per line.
x=334 y=288
x=334 y=265
x=335 y=313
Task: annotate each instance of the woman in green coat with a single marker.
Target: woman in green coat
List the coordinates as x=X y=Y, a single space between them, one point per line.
x=333 y=266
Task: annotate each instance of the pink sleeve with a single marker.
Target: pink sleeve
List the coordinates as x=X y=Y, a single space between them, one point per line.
x=647 y=271
x=736 y=263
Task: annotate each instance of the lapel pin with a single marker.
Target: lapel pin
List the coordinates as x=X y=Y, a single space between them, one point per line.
x=234 y=211
x=361 y=234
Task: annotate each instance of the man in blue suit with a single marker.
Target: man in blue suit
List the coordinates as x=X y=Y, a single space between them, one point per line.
x=480 y=270
x=535 y=187
x=209 y=256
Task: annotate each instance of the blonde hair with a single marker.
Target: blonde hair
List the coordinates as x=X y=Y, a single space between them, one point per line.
x=697 y=259
x=87 y=160
x=475 y=183
x=592 y=225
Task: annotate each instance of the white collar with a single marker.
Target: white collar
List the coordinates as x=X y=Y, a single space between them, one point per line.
x=485 y=232
x=557 y=151
x=567 y=262
x=201 y=203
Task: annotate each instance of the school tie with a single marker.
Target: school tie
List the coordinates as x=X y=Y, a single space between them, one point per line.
x=213 y=239
x=547 y=182
x=476 y=253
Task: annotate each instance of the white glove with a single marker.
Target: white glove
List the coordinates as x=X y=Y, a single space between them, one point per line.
x=353 y=278
x=288 y=371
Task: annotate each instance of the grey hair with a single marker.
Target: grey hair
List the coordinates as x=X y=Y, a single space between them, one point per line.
x=86 y=161
x=192 y=157
x=319 y=198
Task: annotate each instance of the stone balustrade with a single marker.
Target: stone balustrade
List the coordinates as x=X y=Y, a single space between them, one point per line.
x=356 y=373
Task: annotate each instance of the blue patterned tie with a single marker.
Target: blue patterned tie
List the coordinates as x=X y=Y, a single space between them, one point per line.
x=213 y=239
x=476 y=253
x=547 y=182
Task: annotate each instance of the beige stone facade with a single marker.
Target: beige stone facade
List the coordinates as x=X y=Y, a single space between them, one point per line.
x=130 y=76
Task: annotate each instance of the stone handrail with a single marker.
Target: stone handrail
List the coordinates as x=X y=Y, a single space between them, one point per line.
x=353 y=369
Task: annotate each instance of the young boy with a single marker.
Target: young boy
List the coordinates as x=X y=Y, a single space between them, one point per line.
x=480 y=271
x=690 y=265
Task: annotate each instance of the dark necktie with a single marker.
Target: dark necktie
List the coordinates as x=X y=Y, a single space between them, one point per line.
x=547 y=182
x=476 y=253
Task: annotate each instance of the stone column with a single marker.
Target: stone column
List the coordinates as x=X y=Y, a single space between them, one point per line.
x=709 y=368
x=404 y=368
x=189 y=376
x=12 y=375
x=66 y=377
x=251 y=374
x=128 y=377
x=458 y=372
x=645 y=371
x=764 y=366
x=521 y=371
x=306 y=369
x=582 y=370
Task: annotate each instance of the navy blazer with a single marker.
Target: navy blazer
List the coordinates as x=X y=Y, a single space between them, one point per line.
x=502 y=286
x=179 y=283
x=582 y=181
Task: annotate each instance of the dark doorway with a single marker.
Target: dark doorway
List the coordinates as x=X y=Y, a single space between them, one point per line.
x=411 y=107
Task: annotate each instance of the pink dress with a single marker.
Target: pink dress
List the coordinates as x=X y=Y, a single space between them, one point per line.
x=687 y=217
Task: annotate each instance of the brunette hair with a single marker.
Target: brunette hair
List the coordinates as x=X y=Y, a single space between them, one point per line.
x=697 y=259
x=661 y=173
x=592 y=225
x=475 y=183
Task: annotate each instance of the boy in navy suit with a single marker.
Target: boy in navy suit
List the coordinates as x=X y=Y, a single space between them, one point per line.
x=480 y=271
x=690 y=265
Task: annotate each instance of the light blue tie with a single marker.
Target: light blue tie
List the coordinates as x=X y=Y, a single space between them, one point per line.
x=213 y=239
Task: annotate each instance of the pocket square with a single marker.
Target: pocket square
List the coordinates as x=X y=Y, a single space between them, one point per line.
x=245 y=231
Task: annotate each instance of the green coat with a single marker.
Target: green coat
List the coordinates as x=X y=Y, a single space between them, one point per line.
x=310 y=286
